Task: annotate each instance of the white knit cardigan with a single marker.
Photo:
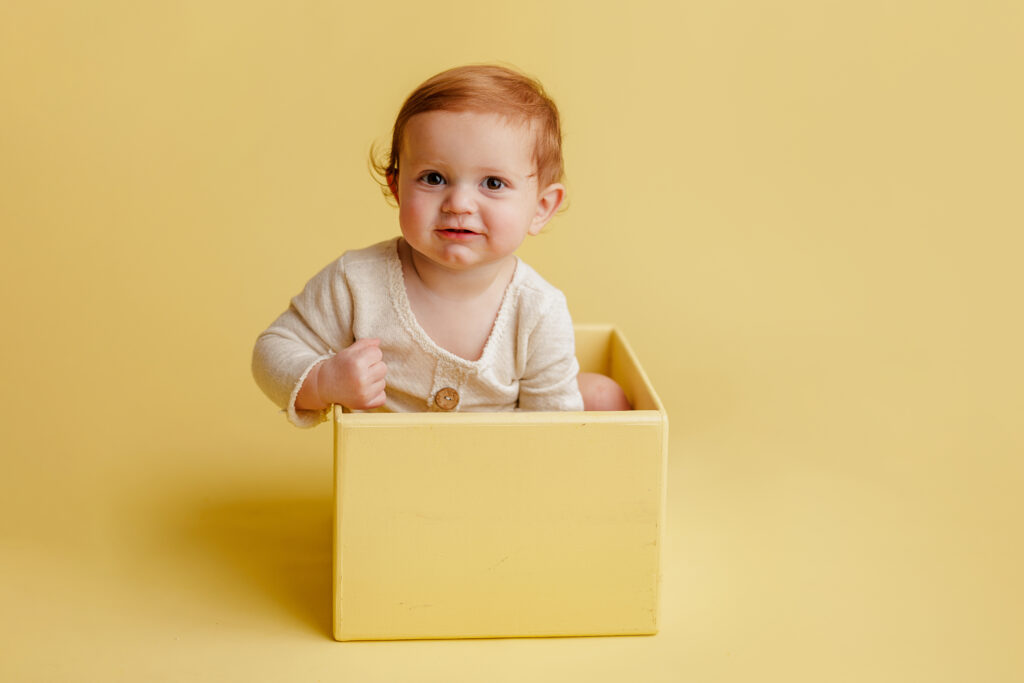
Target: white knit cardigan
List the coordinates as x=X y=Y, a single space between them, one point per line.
x=528 y=361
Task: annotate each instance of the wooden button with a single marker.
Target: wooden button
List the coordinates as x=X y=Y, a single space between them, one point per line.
x=446 y=399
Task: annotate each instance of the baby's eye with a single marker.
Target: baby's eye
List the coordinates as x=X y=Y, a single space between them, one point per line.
x=492 y=183
x=432 y=178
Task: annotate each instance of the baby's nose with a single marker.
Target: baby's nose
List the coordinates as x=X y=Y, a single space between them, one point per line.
x=459 y=200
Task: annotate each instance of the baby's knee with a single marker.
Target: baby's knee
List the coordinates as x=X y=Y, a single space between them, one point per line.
x=601 y=392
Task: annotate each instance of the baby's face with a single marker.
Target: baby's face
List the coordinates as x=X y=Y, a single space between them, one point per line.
x=467 y=188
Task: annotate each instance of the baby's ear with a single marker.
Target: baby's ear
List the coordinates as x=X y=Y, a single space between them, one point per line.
x=392 y=181
x=548 y=201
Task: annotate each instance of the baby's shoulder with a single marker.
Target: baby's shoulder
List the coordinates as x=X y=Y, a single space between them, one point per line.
x=373 y=256
x=533 y=290
x=538 y=305
x=361 y=266
x=354 y=269
x=542 y=312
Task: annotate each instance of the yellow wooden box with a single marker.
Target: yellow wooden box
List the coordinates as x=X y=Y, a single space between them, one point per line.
x=475 y=525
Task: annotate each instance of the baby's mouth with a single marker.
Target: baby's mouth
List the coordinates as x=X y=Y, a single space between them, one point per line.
x=457 y=232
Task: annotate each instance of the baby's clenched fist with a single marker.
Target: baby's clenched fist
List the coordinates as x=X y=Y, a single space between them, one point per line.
x=353 y=377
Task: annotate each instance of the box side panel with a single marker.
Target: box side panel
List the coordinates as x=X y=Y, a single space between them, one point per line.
x=484 y=530
x=626 y=370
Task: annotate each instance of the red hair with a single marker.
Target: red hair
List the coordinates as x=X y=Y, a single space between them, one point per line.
x=483 y=88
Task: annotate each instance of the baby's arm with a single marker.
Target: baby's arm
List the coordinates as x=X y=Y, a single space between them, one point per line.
x=308 y=357
x=549 y=381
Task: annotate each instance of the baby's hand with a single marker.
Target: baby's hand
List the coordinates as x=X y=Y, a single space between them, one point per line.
x=353 y=377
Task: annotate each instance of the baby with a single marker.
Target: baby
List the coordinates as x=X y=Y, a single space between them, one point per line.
x=445 y=317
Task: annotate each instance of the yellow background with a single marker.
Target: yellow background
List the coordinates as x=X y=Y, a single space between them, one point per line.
x=805 y=216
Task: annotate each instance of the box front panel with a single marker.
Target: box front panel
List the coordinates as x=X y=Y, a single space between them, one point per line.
x=498 y=530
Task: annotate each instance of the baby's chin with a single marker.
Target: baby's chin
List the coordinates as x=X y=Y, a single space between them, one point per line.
x=463 y=257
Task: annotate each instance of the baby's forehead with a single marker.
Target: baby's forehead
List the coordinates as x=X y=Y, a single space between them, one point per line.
x=471 y=134
x=528 y=127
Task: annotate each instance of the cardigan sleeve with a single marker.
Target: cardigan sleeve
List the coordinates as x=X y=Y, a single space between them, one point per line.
x=550 y=380
x=317 y=324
